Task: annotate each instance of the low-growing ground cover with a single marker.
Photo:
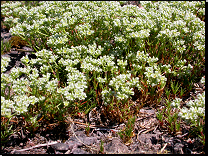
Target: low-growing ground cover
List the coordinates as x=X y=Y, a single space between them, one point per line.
x=104 y=56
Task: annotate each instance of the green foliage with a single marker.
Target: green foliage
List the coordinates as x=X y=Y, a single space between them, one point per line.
x=168 y=118
x=105 y=56
x=5 y=47
x=6 y=129
x=101 y=147
x=175 y=88
x=128 y=132
x=87 y=129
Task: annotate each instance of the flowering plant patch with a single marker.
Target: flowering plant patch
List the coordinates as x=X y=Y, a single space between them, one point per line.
x=101 y=54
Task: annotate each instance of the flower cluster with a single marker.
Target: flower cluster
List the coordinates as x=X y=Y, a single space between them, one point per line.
x=84 y=29
x=104 y=63
x=195 y=110
x=120 y=87
x=154 y=76
x=14 y=103
x=176 y=102
x=4 y=63
x=76 y=83
x=57 y=39
x=99 y=49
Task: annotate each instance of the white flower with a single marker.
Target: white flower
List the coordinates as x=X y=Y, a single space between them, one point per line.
x=52 y=85
x=66 y=103
x=4 y=63
x=176 y=102
x=196 y=108
x=120 y=39
x=101 y=80
x=202 y=80
x=117 y=22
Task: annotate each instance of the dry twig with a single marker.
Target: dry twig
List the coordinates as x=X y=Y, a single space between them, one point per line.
x=40 y=145
x=161 y=151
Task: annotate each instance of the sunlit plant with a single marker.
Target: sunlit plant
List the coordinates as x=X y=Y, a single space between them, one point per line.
x=194 y=114
x=127 y=133
x=169 y=116
x=90 y=54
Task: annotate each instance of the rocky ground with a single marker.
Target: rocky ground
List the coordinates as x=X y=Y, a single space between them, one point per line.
x=72 y=137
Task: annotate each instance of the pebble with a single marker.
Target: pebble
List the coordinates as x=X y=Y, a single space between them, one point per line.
x=147 y=110
x=79 y=151
x=73 y=142
x=86 y=140
x=27 y=48
x=89 y=140
x=60 y=147
x=178 y=148
x=21 y=144
x=116 y=147
x=5 y=37
x=149 y=139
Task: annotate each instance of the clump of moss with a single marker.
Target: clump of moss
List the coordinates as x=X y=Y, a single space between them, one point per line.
x=17 y=42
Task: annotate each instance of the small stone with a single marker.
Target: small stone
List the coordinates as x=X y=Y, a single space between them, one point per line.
x=80 y=134
x=86 y=140
x=21 y=144
x=72 y=145
x=148 y=138
x=27 y=48
x=115 y=146
x=90 y=140
x=178 y=148
x=60 y=147
x=73 y=142
x=149 y=111
x=5 y=55
x=6 y=35
x=79 y=151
